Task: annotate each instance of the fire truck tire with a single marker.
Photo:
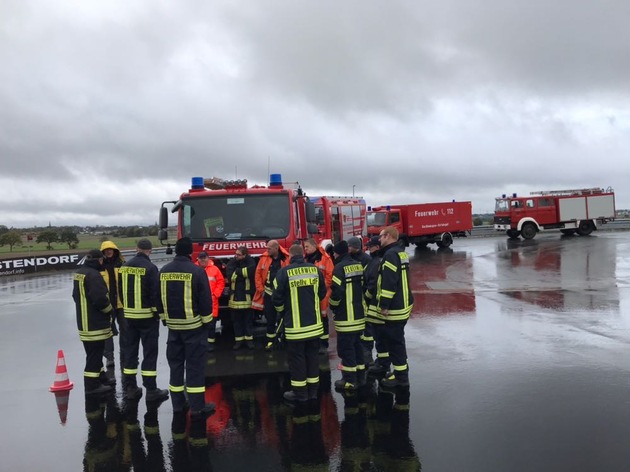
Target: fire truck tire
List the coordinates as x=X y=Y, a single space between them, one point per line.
x=585 y=228
x=528 y=230
x=447 y=240
x=513 y=234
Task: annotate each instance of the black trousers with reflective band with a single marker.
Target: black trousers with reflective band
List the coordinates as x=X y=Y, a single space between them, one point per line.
x=271 y=315
x=350 y=351
x=145 y=331
x=93 y=363
x=186 y=355
x=382 y=345
x=243 y=321
x=394 y=333
x=303 y=357
x=325 y=336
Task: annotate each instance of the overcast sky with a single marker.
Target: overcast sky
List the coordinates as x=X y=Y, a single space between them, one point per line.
x=108 y=108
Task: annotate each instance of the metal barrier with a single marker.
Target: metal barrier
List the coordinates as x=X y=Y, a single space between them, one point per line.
x=486 y=231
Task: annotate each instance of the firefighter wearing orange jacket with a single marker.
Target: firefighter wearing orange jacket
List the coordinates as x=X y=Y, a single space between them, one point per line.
x=270 y=262
x=316 y=255
x=217 y=284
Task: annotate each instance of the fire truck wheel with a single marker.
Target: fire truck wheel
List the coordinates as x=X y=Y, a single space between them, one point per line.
x=447 y=240
x=528 y=230
x=513 y=234
x=585 y=228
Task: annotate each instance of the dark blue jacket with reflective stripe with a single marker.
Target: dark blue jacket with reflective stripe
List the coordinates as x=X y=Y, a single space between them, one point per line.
x=185 y=300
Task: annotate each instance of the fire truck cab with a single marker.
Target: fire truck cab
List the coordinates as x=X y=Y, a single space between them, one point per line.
x=571 y=211
x=220 y=215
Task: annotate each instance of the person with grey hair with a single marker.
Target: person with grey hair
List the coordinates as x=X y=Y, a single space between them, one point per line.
x=355 y=248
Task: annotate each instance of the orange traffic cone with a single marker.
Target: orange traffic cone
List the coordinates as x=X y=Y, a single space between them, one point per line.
x=62 y=382
x=62 y=399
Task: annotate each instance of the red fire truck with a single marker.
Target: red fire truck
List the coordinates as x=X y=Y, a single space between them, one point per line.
x=221 y=215
x=423 y=223
x=339 y=218
x=571 y=211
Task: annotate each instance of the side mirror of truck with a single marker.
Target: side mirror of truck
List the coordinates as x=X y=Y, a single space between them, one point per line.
x=163 y=218
x=310 y=212
x=312 y=228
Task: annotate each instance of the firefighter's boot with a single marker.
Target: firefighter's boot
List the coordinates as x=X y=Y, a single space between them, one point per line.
x=347 y=382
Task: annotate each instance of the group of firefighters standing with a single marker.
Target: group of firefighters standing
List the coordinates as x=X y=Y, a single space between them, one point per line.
x=370 y=299
x=369 y=296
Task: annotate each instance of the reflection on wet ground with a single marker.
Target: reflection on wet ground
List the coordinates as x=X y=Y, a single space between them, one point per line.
x=253 y=429
x=518 y=361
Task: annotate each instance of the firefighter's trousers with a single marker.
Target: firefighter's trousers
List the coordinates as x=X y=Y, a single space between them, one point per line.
x=243 y=321
x=93 y=363
x=271 y=315
x=350 y=351
x=145 y=331
x=186 y=354
x=303 y=360
x=394 y=334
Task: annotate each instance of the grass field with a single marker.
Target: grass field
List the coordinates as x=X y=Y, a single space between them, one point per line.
x=86 y=242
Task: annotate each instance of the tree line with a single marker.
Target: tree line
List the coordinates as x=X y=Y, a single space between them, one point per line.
x=68 y=235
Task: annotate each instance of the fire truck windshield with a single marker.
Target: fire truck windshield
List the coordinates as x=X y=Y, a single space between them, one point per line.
x=503 y=204
x=376 y=218
x=236 y=217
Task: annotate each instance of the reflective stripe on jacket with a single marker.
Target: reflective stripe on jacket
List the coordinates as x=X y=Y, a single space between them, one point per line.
x=393 y=290
x=323 y=262
x=298 y=291
x=185 y=301
x=240 y=275
x=139 y=282
x=93 y=309
x=346 y=300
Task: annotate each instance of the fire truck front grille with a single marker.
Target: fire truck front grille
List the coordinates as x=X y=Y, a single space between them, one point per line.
x=501 y=220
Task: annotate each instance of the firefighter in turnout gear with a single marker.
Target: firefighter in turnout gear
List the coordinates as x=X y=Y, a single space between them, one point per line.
x=394 y=302
x=298 y=291
x=346 y=302
x=93 y=311
x=373 y=319
x=315 y=254
x=240 y=274
x=271 y=261
x=185 y=305
x=112 y=262
x=140 y=289
x=216 y=281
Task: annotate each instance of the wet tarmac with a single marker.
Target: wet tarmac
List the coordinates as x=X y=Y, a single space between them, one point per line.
x=519 y=356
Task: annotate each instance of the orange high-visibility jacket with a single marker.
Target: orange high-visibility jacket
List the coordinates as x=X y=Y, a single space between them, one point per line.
x=217 y=284
x=262 y=272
